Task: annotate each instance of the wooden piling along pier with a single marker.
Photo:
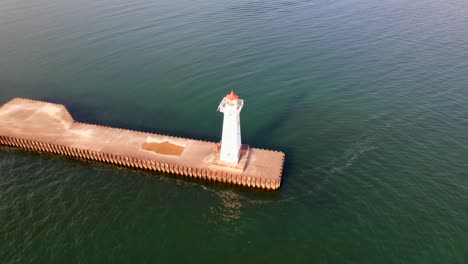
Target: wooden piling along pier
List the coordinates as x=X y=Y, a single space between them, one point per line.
x=47 y=127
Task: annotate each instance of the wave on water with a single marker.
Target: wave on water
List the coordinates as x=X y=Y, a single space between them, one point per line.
x=307 y=185
x=351 y=155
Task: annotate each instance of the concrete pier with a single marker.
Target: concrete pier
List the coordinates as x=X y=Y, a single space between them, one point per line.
x=48 y=127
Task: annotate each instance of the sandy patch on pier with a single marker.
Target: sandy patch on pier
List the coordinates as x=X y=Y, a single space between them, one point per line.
x=163 y=148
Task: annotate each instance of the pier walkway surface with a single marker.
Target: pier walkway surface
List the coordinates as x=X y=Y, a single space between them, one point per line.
x=49 y=127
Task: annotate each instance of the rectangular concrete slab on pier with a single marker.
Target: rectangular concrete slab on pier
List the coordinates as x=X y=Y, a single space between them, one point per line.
x=29 y=123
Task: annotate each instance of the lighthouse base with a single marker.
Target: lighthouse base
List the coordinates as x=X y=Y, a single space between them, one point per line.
x=218 y=164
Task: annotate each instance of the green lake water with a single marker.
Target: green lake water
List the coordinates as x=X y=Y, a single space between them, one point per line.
x=368 y=99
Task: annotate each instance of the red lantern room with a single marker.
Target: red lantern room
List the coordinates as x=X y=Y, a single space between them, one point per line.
x=232 y=96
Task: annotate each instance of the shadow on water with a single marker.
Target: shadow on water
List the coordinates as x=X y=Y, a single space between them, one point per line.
x=79 y=111
x=266 y=135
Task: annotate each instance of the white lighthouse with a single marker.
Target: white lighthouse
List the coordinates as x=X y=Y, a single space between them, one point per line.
x=231 y=106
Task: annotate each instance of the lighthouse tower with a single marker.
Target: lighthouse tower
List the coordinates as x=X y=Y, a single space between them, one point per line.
x=231 y=106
